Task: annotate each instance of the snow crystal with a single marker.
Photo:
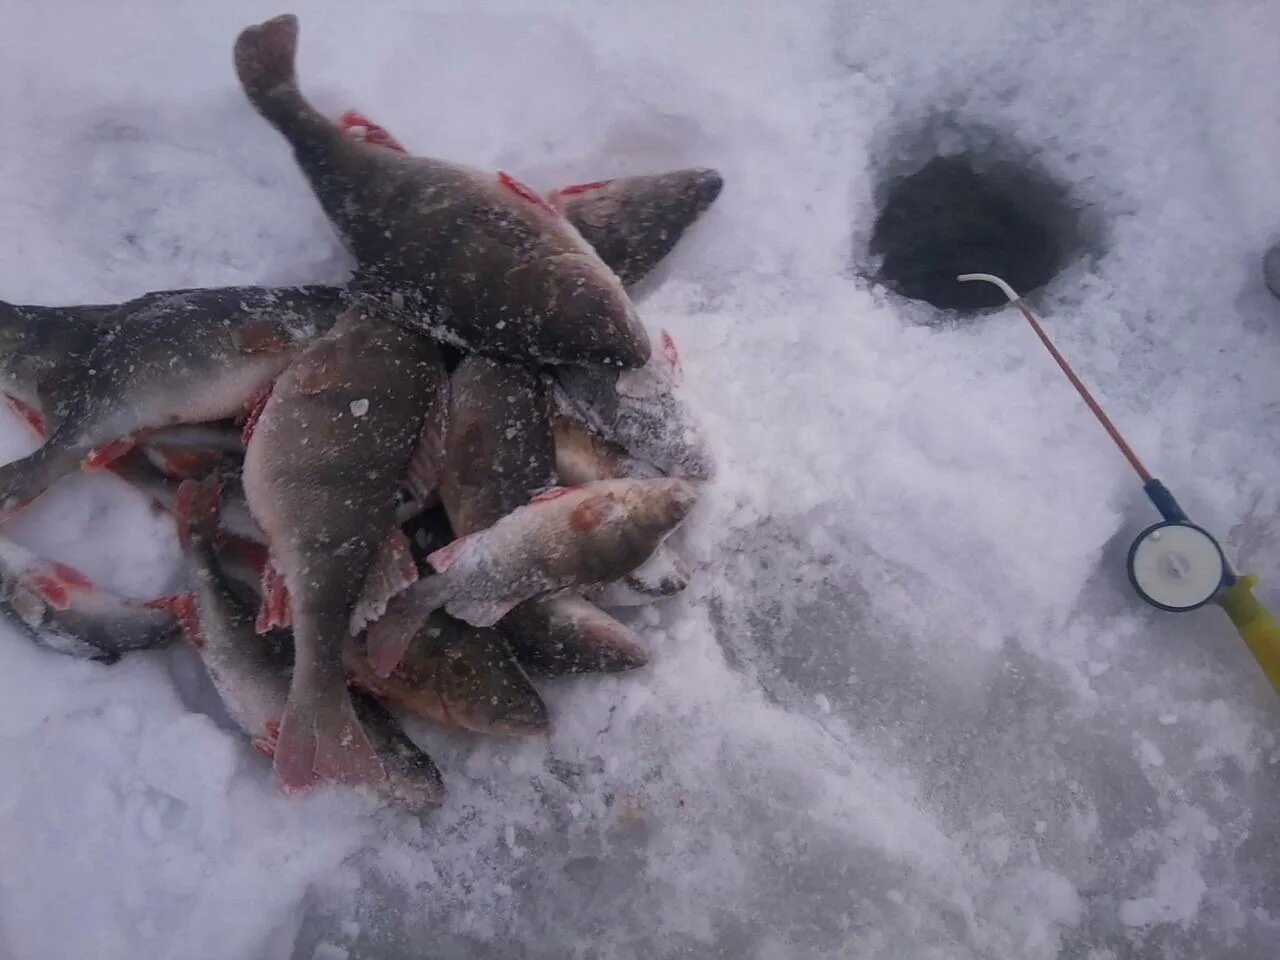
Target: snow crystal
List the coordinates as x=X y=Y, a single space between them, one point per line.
x=916 y=525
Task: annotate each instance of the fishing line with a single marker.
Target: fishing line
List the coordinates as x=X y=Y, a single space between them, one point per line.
x=1173 y=565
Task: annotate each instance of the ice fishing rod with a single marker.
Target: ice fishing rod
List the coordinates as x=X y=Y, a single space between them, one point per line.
x=1174 y=565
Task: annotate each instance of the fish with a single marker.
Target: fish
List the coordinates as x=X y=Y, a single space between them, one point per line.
x=634 y=222
x=565 y=537
x=459 y=676
x=567 y=634
x=583 y=456
x=42 y=349
x=500 y=451
x=190 y=357
x=476 y=259
x=640 y=411
x=333 y=443
x=252 y=673
x=62 y=609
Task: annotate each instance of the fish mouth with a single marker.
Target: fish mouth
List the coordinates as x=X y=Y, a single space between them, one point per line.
x=706 y=188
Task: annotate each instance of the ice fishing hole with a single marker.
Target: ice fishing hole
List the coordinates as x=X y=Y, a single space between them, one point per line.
x=965 y=213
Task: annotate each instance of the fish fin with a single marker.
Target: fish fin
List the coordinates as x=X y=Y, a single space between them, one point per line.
x=427 y=463
x=275 y=610
x=392 y=571
x=550 y=493
x=182 y=464
x=359 y=127
x=195 y=511
x=253 y=408
x=482 y=613
x=528 y=194
x=21 y=481
x=670 y=355
x=29 y=415
x=261 y=336
x=183 y=608
x=556 y=197
x=265 y=56
x=665 y=573
x=100 y=457
x=54 y=583
x=389 y=636
x=321 y=738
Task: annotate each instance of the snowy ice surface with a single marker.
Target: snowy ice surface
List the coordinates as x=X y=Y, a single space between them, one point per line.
x=910 y=708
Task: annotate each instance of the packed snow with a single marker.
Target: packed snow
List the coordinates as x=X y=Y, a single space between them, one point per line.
x=910 y=707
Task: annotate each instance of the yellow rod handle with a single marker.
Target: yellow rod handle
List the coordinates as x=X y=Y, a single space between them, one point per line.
x=1256 y=625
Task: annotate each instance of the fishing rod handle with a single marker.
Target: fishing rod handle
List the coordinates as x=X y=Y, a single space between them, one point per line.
x=1256 y=625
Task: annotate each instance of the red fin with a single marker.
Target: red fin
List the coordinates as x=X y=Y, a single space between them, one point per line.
x=672 y=357
x=253 y=408
x=55 y=582
x=525 y=193
x=183 y=464
x=551 y=493
x=275 y=610
x=360 y=127
x=266 y=744
x=391 y=572
x=32 y=417
x=261 y=336
x=51 y=590
x=71 y=577
x=183 y=607
x=578 y=188
x=99 y=457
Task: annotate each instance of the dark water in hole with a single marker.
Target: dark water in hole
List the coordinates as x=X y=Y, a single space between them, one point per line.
x=948 y=218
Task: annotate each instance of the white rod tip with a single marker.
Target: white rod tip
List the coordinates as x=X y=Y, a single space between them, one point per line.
x=991 y=278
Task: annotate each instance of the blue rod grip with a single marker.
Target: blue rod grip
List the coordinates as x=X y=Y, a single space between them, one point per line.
x=1164 y=502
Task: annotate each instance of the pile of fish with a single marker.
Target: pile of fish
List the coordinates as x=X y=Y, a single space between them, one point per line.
x=411 y=492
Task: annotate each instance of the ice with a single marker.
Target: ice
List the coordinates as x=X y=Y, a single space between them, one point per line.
x=909 y=706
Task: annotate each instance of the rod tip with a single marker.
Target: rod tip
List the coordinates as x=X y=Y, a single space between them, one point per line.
x=991 y=278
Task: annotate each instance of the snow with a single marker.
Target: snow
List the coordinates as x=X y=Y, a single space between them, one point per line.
x=909 y=707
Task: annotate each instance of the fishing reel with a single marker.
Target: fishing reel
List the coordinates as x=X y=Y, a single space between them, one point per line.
x=1176 y=566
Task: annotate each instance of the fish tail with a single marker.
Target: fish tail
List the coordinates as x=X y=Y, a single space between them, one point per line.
x=23 y=480
x=389 y=636
x=321 y=738
x=264 y=56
